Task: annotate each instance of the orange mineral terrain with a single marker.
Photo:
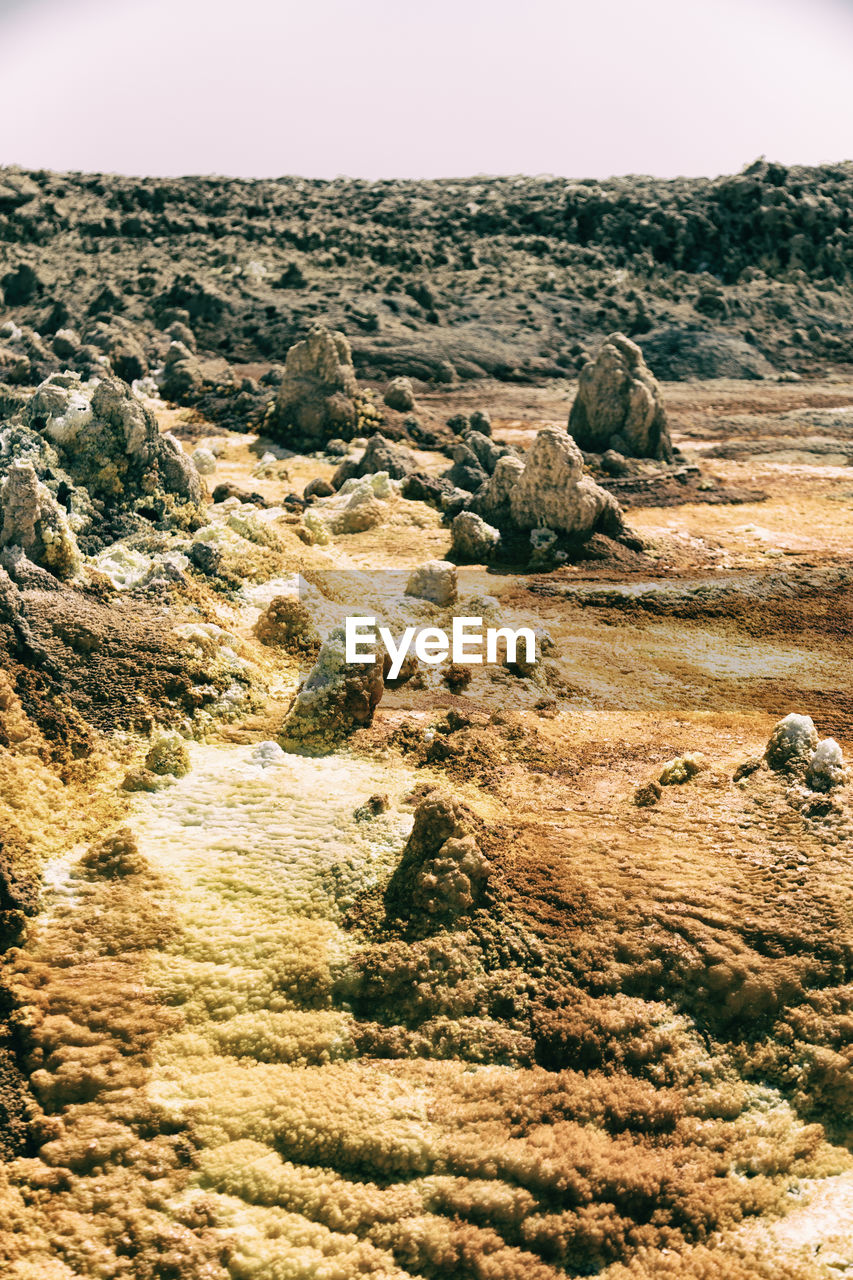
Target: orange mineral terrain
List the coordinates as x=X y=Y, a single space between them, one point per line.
x=509 y=970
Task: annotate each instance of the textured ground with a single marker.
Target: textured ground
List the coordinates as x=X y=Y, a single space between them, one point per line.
x=634 y=1061
x=513 y=278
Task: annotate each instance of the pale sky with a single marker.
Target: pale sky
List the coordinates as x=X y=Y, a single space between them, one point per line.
x=424 y=88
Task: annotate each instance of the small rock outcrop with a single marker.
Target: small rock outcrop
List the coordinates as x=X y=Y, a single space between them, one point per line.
x=792 y=743
x=552 y=490
x=492 y=500
x=286 y=623
x=647 y=794
x=318 y=396
x=826 y=768
x=434 y=581
x=110 y=443
x=545 y=495
x=168 y=754
x=794 y=748
x=467 y=472
x=337 y=697
x=682 y=769
x=204 y=461
x=33 y=520
x=486 y=451
x=114 y=857
x=380 y=455
x=362 y=503
x=443 y=871
x=183 y=378
x=400 y=395
x=474 y=541
x=619 y=406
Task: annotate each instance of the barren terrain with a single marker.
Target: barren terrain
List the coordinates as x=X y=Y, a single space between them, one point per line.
x=229 y=1054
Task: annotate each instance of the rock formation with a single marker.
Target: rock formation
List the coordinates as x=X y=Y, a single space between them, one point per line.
x=826 y=767
x=492 y=500
x=552 y=490
x=286 y=623
x=792 y=742
x=109 y=442
x=474 y=541
x=337 y=697
x=182 y=375
x=318 y=396
x=486 y=451
x=380 y=455
x=434 y=581
x=681 y=769
x=618 y=405
x=546 y=492
x=168 y=754
x=795 y=748
x=400 y=395
x=114 y=857
x=443 y=871
x=34 y=521
x=466 y=472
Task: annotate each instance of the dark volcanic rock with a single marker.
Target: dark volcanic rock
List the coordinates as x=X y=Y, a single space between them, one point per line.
x=380 y=455
x=505 y=277
x=677 y=355
x=419 y=487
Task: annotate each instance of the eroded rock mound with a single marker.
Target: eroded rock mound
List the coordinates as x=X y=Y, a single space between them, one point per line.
x=792 y=742
x=492 y=500
x=400 y=395
x=318 y=396
x=443 y=871
x=552 y=490
x=109 y=446
x=794 y=748
x=286 y=623
x=114 y=857
x=826 y=768
x=337 y=697
x=618 y=405
x=546 y=495
x=380 y=455
x=434 y=581
x=474 y=541
x=34 y=521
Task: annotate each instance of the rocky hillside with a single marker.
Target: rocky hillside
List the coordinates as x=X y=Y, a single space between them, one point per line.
x=515 y=278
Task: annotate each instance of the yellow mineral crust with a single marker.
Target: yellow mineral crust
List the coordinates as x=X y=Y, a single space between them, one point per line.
x=205 y=1108
x=201 y=1109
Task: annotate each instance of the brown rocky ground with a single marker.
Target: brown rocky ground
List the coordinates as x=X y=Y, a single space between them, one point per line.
x=632 y=1059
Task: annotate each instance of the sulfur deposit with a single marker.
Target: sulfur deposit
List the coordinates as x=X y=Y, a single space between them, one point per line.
x=34 y=522
x=336 y=697
x=443 y=871
x=110 y=443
